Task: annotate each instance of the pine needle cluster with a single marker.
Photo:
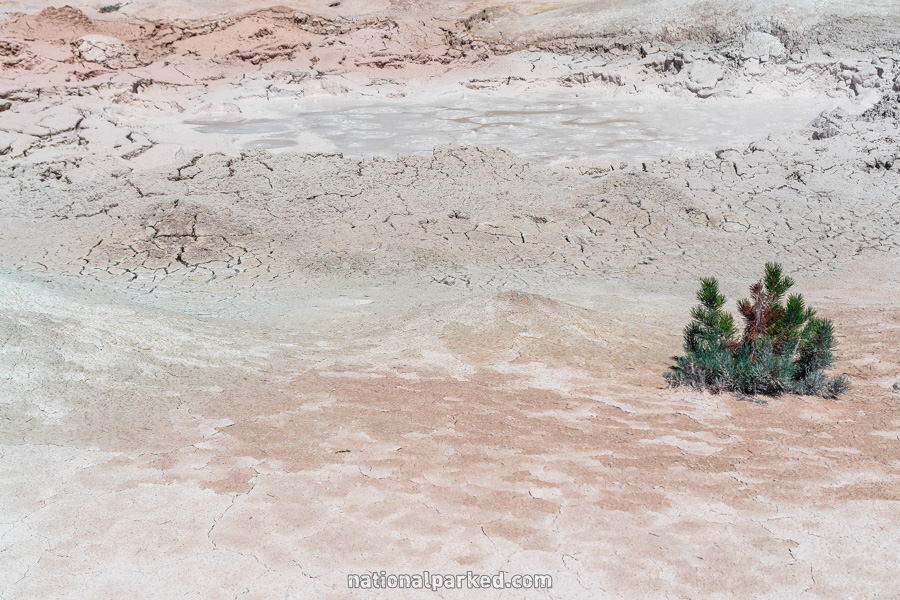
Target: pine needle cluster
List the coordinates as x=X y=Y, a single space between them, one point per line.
x=784 y=347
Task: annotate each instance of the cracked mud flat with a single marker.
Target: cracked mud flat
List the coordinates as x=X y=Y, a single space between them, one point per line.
x=230 y=372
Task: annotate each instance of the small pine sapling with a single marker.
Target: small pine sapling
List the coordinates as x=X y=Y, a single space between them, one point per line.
x=784 y=347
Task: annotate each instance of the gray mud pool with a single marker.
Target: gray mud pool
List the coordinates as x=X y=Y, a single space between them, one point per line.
x=557 y=128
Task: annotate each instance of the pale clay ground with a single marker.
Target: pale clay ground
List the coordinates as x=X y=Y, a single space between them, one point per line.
x=239 y=374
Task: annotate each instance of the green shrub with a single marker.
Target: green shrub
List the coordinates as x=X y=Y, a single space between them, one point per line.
x=784 y=348
x=110 y=8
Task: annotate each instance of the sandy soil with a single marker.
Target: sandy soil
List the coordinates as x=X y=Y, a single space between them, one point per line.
x=233 y=373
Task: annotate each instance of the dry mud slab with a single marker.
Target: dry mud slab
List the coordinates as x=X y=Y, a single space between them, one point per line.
x=232 y=373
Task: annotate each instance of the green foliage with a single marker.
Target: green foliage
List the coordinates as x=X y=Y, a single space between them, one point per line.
x=784 y=347
x=110 y=8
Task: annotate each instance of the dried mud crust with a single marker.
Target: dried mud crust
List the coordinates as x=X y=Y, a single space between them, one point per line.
x=438 y=420
x=257 y=218
x=276 y=370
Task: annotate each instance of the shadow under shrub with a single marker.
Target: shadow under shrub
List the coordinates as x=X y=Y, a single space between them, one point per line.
x=784 y=348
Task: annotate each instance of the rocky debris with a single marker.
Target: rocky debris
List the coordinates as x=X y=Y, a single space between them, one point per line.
x=881 y=162
x=68 y=18
x=827 y=124
x=762 y=47
x=675 y=61
x=859 y=75
x=886 y=108
x=451 y=280
x=289 y=77
x=656 y=47
x=107 y=51
x=256 y=57
x=582 y=78
x=699 y=73
x=703 y=77
x=16 y=56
